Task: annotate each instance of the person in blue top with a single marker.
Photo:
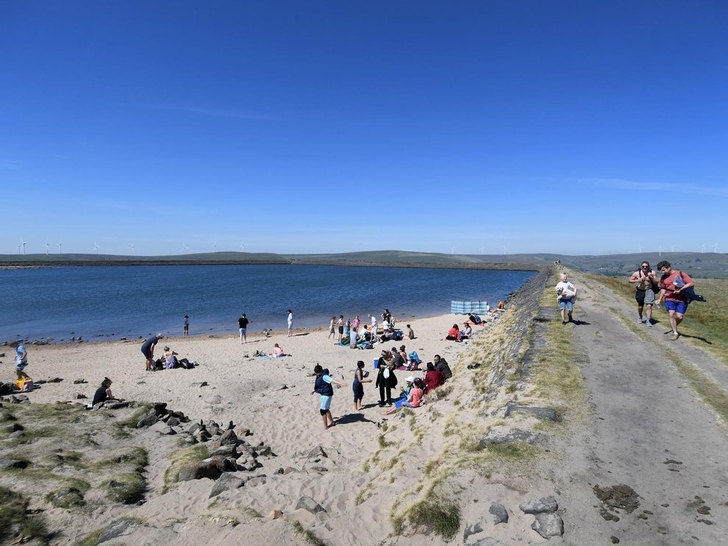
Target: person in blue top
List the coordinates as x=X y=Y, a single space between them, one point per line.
x=323 y=386
x=21 y=359
x=148 y=350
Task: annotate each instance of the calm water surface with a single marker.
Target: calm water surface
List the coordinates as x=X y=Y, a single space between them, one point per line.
x=129 y=301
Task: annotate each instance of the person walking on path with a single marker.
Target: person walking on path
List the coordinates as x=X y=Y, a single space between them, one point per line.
x=243 y=328
x=673 y=283
x=290 y=323
x=148 y=351
x=566 y=294
x=647 y=287
x=323 y=386
x=186 y=327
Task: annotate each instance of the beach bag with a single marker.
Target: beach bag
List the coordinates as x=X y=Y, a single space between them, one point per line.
x=414 y=357
x=24 y=385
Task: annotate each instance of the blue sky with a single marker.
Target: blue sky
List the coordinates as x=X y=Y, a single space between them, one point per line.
x=574 y=127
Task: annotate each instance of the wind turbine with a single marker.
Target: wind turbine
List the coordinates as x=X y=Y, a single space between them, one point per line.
x=702 y=249
x=96 y=248
x=184 y=247
x=659 y=251
x=452 y=250
x=640 y=249
x=715 y=248
x=23 y=243
x=242 y=248
x=132 y=249
x=214 y=246
x=59 y=247
x=47 y=246
x=482 y=250
x=673 y=248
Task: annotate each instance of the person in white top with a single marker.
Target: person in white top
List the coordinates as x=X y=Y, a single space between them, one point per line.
x=566 y=294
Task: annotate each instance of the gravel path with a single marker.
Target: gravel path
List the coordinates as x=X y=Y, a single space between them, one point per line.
x=647 y=430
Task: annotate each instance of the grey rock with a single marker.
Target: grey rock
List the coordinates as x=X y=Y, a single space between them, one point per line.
x=79 y=381
x=485 y=541
x=209 y=468
x=546 y=413
x=224 y=451
x=318 y=468
x=78 y=396
x=500 y=436
x=116 y=529
x=265 y=451
x=317 y=453
x=67 y=498
x=147 y=421
x=228 y=438
x=307 y=503
x=12 y=427
x=256 y=480
x=473 y=529
x=542 y=505
x=548 y=525
x=226 y=482
x=500 y=514
x=115 y=404
x=12 y=463
x=162 y=428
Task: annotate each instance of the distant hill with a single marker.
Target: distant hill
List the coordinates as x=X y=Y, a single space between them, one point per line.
x=705 y=265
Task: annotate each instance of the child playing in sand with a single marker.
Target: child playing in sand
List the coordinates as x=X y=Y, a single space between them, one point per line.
x=359 y=377
x=322 y=385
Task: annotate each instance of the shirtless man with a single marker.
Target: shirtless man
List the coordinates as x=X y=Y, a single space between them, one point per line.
x=645 y=278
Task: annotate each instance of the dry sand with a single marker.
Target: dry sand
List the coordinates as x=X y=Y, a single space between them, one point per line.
x=272 y=398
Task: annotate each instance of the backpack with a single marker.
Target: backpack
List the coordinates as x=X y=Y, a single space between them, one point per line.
x=414 y=357
x=689 y=292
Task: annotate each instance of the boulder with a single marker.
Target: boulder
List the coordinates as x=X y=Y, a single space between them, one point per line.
x=226 y=482
x=542 y=505
x=310 y=505
x=548 y=525
x=500 y=514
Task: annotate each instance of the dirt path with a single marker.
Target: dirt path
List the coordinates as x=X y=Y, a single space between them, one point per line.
x=647 y=430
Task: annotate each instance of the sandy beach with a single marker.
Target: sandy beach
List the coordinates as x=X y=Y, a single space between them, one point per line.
x=271 y=397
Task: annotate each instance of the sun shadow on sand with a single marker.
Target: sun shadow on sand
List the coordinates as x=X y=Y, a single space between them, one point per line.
x=353 y=418
x=687 y=336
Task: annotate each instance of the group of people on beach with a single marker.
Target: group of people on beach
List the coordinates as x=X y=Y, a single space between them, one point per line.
x=411 y=395
x=356 y=334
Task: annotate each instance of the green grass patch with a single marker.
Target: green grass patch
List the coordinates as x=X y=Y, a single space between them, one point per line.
x=92 y=539
x=127 y=488
x=308 y=535
x=435 y=515
x=180 y=459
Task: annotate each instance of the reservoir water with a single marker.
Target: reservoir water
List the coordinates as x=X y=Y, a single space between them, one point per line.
x=58 y=303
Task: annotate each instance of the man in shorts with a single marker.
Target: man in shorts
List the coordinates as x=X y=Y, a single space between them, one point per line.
x=148 y=351
x=566 y=293
x=645 y=278
x=243 y=328
x=323 y=386
x=673 y=283
x=21 y=360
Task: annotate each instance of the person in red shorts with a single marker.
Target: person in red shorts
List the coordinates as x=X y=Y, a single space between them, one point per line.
x=673 y=283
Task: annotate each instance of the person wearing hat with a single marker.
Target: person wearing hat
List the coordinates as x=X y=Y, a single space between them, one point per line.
x=148 y=351
x=386 y=380
x=414 y=396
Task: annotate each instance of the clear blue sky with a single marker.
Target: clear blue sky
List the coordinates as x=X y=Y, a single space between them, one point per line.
x=565 y=126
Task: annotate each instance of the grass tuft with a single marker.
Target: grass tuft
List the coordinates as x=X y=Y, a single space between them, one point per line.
x=436 y=515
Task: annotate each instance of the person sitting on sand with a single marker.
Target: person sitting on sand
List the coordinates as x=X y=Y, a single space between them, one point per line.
x=397 y=359
x=501 y=305
x=410 y=332
x=442 y=365
x=103 y=394
x=453 y=334
x=170 y=358
x=277 y=352
x=414 y=397
x=322 y=386
x=466 y=332
x=433 y=378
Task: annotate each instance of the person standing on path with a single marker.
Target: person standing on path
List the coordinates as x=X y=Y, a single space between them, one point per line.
x=290 y=323
x=243 y=328
x=148 y=351
x=673 y=283
x=360 y=377
x=323 y=386
x=186 y=327
x=565 y=293
x=645 y=278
